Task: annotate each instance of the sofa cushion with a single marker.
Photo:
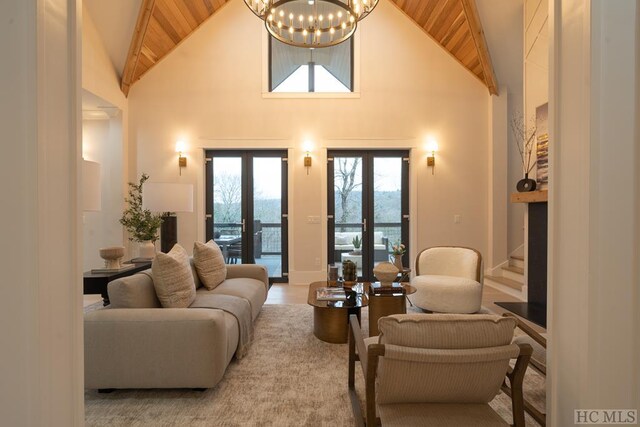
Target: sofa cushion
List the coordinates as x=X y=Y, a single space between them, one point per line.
x=377 y=237
x=173 y=279
x=250 y=289
x=209 y=263
x=196 y=279
x=446 y=331
x=135 y=291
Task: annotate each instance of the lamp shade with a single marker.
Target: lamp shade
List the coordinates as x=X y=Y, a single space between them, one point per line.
x=167 y=197
x=91 y=191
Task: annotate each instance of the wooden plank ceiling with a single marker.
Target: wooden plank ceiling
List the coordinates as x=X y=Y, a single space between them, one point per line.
x=455 y=25
x=163 y=24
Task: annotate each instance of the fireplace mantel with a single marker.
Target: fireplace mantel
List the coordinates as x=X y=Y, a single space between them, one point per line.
x=530 y=197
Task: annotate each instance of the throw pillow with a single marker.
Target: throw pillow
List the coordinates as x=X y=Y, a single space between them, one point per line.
x=209 y=262
x=173 y=279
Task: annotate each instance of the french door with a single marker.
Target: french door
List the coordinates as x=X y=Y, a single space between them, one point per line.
x=246 y=208
x=368 y=202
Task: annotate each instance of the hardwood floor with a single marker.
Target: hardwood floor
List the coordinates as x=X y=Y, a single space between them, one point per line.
x=282 y=293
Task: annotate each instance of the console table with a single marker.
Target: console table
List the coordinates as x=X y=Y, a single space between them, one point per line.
x=535 y=309
x=96 y=283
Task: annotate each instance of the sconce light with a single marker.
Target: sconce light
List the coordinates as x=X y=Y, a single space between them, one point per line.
x=432 y=146
x=182 y=161
x=307 y=146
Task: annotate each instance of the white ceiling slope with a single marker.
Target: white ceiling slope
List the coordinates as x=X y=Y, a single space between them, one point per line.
x=115 y=21
x=502 y=22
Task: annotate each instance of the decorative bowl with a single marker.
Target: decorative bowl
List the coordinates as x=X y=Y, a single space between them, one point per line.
x=112 y=256
x=385 y=272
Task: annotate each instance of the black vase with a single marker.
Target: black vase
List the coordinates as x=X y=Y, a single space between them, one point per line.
x=526 y=184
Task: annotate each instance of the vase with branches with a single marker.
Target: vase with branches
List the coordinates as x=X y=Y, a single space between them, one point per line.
x=525 y=135
x=141 y=224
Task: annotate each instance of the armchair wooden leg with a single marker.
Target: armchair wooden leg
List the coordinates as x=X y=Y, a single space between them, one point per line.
x=516 y=378
x=368 y=358
x=354 y=331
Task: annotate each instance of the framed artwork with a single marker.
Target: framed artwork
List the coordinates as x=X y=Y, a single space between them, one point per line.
x=542 y=146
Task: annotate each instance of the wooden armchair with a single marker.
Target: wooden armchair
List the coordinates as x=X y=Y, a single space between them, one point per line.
x=538 y=361
x=437 y=369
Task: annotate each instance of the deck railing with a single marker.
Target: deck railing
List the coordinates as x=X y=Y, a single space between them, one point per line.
x=268 y=237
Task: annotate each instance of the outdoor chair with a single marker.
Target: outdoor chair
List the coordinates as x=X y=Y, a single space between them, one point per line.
x=436 y=369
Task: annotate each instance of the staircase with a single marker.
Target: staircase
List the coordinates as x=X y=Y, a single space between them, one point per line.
x=509 y=278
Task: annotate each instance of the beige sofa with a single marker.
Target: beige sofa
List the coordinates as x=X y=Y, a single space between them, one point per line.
x=134 y=343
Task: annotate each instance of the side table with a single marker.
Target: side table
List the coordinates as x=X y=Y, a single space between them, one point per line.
x=96 y=283
x=381 y=305
x=331 y=318
x=404 y=275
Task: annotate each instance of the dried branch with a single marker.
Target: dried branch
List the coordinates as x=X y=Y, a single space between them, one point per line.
x=525 y=136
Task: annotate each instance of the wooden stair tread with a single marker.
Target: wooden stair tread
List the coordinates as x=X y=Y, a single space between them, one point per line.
x=519 y=257
x=507 y=282
x=514 y=269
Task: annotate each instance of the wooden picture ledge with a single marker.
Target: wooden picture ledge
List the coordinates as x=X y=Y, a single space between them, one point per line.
x=530 y=197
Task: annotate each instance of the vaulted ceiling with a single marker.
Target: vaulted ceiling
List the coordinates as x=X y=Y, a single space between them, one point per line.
x=163 y=24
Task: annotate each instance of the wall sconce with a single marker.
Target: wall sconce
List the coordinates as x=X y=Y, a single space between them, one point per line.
x=432 y=146
x=307 y=146
x=182 y=161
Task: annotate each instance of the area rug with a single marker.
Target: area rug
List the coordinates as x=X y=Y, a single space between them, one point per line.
x=288 y=378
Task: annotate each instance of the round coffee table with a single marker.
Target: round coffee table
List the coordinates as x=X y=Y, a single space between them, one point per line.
x=331 y=318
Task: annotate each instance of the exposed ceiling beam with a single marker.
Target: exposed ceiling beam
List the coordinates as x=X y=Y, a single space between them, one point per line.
x=455 y=25
x=133 y=57
x=477 y=33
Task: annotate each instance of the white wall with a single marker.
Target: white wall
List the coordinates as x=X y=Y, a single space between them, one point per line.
x=594 y=208
x=536 y=59
x=502 y=25
x=100 y=78
x=41 y=306
x=208 y=91
x=536 y=55
x=102 y=143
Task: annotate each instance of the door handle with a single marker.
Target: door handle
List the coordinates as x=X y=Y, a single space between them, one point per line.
x=364 y=225
x=243 y=226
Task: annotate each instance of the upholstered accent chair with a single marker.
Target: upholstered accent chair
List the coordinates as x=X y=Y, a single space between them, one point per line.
x=437 y=369
x=538 y=361
x=448 y=279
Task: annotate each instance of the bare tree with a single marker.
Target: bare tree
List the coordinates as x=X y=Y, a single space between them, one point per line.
x=227 y=197
x=345 y=183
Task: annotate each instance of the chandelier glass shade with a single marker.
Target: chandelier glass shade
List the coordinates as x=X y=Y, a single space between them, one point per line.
x=311 y=23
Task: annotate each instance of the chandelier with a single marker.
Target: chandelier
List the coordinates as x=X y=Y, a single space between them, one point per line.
x=311 y=23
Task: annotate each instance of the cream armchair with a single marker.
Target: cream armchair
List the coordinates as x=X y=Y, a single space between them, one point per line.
x=448 y=279
x=437 y=369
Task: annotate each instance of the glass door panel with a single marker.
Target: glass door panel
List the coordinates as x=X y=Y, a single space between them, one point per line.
x=227 y=207
x=368 y=206
x=268 y=236
x=246 y=207
x=387 y=206
x=348 y=202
